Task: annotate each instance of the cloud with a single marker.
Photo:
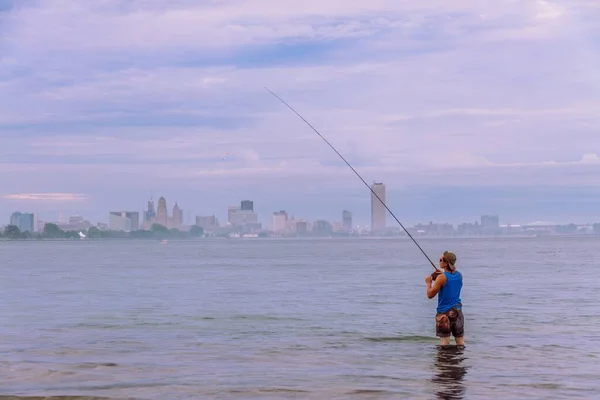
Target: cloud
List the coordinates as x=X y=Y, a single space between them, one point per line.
x=45 y=196
x=144 y=95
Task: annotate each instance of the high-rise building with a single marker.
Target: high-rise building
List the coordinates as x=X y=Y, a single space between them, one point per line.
x=378 y=210
x=162 y=215
x=150 y=213
x=301 y=227
x=490 y=224
x=231 y=210
x=490 y=221
x=347 y=220
x=322 y=226
x=177 y=216
x=124 y=221
x=134 y=216
x=242 y=215
x=23 y=221
x=280 y=221
x=247 y=205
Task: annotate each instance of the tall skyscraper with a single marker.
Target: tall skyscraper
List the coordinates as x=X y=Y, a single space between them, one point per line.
x=177 y=216
x=150 y=213
x=162 y=216
x=247 y=205
x=378 y=211
x=347 y=220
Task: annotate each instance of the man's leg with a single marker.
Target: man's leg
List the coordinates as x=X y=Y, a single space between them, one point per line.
x=458 y=329
x=442 y=329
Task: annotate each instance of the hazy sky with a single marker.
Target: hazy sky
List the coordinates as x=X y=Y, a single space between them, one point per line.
x=461 y=107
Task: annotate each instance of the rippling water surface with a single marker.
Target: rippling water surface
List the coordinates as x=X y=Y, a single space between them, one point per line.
x=319 y=319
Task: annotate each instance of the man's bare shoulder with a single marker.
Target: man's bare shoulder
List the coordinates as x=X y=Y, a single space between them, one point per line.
x=441 y=278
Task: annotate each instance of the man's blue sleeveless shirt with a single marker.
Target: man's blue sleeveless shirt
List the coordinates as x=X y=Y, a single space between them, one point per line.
x=449 y=294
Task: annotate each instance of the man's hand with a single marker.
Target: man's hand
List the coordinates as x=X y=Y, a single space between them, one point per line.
x=435 y=274
x=432 y=290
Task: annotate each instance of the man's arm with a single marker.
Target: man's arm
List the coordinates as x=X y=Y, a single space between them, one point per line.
x=432 y=290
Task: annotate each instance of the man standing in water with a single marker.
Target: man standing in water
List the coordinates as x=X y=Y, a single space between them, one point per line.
x=447 y=285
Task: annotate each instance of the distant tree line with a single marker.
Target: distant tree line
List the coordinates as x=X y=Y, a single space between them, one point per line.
x=52 y=231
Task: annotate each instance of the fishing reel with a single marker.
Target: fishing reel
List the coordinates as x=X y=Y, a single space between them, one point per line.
x=435 y=274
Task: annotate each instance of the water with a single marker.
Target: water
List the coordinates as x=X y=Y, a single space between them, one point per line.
x=305 y=319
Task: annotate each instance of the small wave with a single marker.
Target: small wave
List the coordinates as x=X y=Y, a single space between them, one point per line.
x=282 y=390
x=540 y=385
x=409 y=338
x=378 y=377
x=260 y=317
x=96 y=365
x=267 y=390
x=369 y=391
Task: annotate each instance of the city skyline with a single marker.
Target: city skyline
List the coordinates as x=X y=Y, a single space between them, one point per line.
x=125 y=225
x=264 y=217
x=243 y=215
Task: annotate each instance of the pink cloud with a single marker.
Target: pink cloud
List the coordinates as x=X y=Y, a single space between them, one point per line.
x=46 y=196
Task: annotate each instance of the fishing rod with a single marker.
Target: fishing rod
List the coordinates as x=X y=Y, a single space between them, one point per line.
x=357 y=174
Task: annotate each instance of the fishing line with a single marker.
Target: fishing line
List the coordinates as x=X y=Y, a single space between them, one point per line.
x=357 y=174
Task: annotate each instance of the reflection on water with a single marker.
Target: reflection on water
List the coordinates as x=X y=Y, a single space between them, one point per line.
x=451 y=372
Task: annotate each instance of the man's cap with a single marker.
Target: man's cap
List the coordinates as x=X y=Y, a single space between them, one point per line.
x=450 y=258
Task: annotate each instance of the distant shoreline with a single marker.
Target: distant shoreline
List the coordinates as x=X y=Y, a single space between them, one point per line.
x=299 y=238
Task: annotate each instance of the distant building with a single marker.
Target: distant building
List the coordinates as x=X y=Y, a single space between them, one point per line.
x=24 y=221
x=75 y=223
x=75 y=219
x=279 y=221
x=208 y=222
x=251 y=227
x=243 y=217
x=490 y=223
x=467 y=228
x=347 y=220
x=247 y=205
x=378 y=210
x=177 y=216
x=301 y=227
x=231 y=210
x=150 y=213
x=439 y=229
x=322 y=226
x=124 y=221
x=134 y=216
x=337 y=226
x=162 y=215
